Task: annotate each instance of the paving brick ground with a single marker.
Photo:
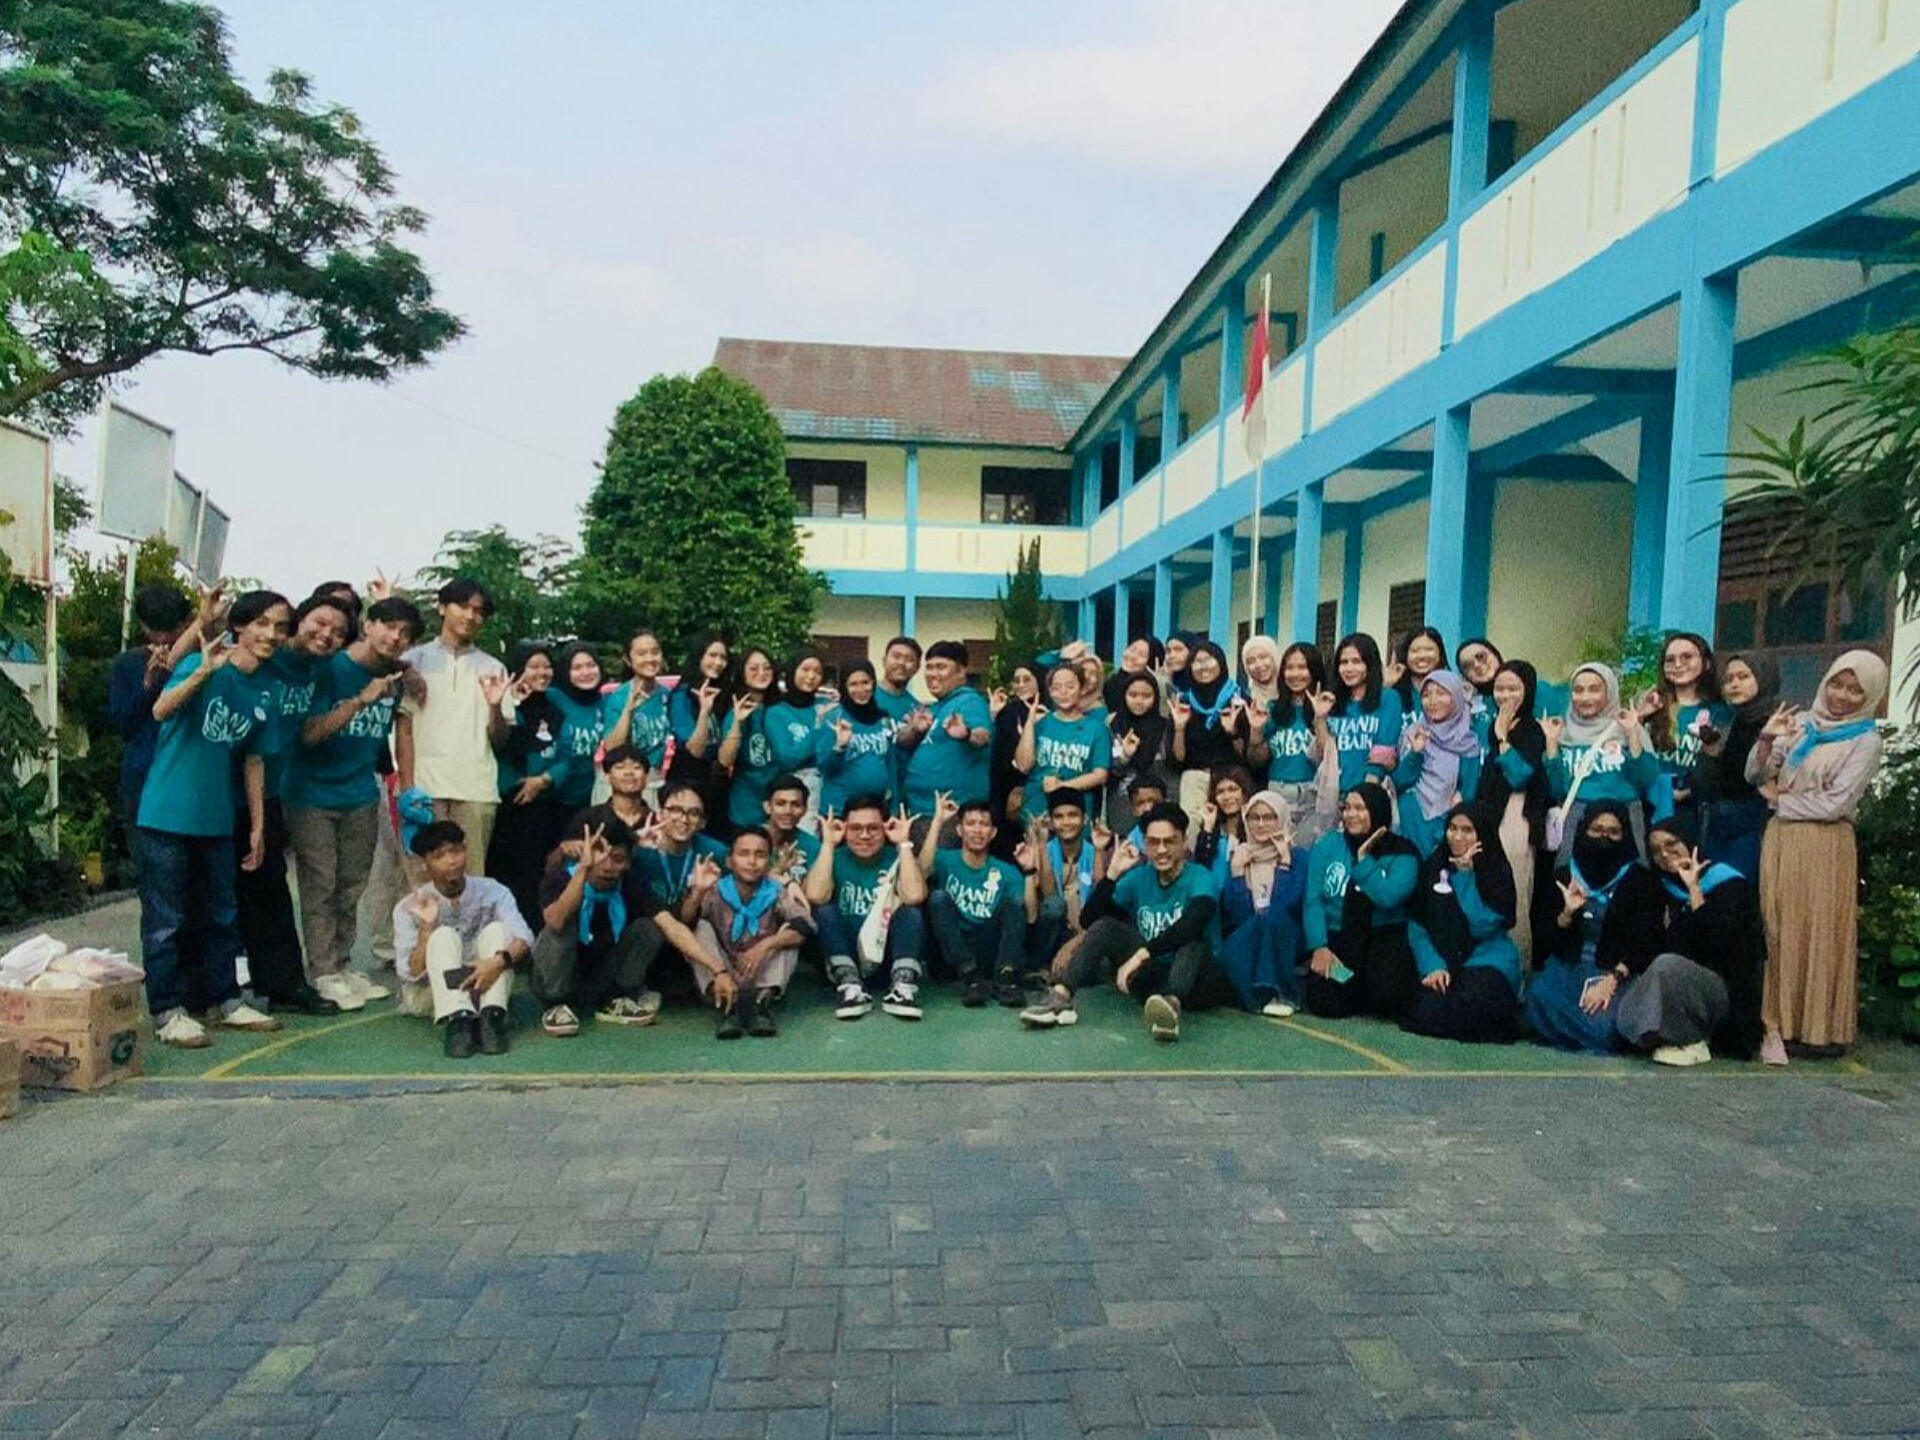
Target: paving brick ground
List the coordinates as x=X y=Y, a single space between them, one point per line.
x=1662 y=1256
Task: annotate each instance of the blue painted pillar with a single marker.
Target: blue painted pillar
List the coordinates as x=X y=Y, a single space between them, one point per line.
x=1447 y=522
x=1233 y=345
x=1307 y=521
x=1085 y=628
x=1472 y=125
x=1122 y=616
x=1477 y=565
x=1162 y=599
x=1650 y=492
x=1706 y=90
x=1129 y=443
x=1323 y=243
x=1350 y=565
x=1078 y=512
x=1169 y=410
x=1220 y=601
x=1697 y=494
x=910 y=597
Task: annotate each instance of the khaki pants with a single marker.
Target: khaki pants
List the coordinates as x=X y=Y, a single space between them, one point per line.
x=386 y=887
x=333 y=851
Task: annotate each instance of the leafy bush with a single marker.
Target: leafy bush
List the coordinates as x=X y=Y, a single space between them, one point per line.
x=1889 y=832
x=1634 y=654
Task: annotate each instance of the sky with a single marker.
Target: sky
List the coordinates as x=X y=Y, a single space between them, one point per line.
x=612 y=187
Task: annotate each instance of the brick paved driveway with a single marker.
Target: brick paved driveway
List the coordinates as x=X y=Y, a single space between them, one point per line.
x=1653 y=1257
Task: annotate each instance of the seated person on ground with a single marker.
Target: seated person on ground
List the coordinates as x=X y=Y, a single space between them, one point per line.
x=1145 y=794
x=979 y=906
x=1462 y=908
x=750 y=927
x=1261 y=903
x=866 y=890
x=1071 y=864
x=1359 y=879
x=1155 y=927
x=628 y=775
x=678 y=842
x=603 y=935
x=456 y=940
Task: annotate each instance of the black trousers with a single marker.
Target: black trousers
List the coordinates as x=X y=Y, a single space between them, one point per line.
x=1190 y=974
x=1385 y=982
x=1479 y=1007
x=269 y=930
x=564 y=973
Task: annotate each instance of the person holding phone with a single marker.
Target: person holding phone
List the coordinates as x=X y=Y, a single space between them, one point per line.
x=458 y=937
x=1354 y=916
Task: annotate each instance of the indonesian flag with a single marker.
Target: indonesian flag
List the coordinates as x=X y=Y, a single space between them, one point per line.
x=1253 y=413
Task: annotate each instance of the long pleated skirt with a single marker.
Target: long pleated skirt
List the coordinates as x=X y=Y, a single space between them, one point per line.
x=1810 y=904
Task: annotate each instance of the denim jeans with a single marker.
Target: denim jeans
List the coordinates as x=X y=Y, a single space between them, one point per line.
x=906 y=944
x=189 y=921
x=971 y=947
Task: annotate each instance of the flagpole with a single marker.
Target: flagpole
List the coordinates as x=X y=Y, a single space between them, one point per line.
x=1259 y=464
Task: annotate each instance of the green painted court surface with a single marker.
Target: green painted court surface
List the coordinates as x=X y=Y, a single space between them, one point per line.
x=1111 y=1040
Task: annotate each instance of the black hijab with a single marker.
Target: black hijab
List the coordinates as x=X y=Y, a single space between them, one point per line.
x=529 y=714
x=1192 y=640
x=869 y=713
x=1525 y=735
x=583 y=696
x=1438 y=910
x=1600 y=862
x=1203 y=697
x=1766 y=674
x=1150 y=727
x=795 y=696
x=1356 y=911
x=1114 y=692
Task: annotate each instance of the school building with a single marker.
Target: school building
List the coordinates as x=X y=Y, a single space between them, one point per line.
x=1535 y=271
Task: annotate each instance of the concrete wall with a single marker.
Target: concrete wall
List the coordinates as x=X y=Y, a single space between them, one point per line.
x=1561 y=558
x=886 y=473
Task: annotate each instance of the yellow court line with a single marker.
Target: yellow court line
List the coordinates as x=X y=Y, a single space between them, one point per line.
x=224 y=1070
x=1385 y=1062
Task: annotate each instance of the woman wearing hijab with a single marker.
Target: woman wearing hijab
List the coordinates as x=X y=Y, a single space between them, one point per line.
x=1006 y=788
x=1733 y=812
x=575 y=693
x=1701 y=994
x=1353 y=916
x=1296 y=747
x=1598 y=751
x=1366 y=715
x=1439 y=760
x=1260 y=683
x=1207 y=714
x=793 y=724
x=531 y=817
x=854 y=743
x=1815 y=767
x=1606 y=932
x=1513 y=785
x=1174 y=661
x=1458 y=923
x=1143 y=656
x=1139 y=747
x=1260 y=905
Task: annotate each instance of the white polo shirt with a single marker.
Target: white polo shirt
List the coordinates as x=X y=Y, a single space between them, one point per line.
x=452 y=755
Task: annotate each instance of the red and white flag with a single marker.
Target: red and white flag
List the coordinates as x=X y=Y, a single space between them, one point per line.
x=1253 y=413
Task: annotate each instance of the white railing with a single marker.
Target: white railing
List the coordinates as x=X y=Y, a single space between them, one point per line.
x=1395 y=330
x=1103 y=538
x=1192 y=474
x=1140 y=510
x=940 y=549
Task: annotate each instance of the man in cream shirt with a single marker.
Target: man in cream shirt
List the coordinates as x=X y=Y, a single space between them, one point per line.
x=444 y=744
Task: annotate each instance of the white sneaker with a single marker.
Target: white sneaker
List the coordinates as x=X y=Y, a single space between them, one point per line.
x=622 y=1010
x=242 y=1016
x=1279 y=1009
x=561 y=1021
x=854 y=1002
x=341 y=991
x=649 y=1005
x=1695 y=1054
x=902 y=1001
x=369 y=988
x=183 y=1030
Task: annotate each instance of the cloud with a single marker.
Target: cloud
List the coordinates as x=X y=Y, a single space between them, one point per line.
x=1209 y=87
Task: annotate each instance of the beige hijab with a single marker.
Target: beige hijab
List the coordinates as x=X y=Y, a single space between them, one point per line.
x=1821 y=760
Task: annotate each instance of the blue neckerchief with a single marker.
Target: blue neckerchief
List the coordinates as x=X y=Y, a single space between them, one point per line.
x=592 y=899
x=1714 y=875
x=1229 y=692
x=747 y=913
x=1057 y=857
x=1813 y=737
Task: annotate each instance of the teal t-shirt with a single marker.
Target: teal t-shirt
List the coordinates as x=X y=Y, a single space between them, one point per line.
x=1156 y=907
x=941 y=763
x=191 y=790
x=979 y=890
x=1332 y=867
x=1289 y=743
x=856 y=882
x=790 y=732
x=1687 y=726
x=578 y=740
x=865 y=767
x=1067 y=749
x=754 y=771
x=1358 y=731
x=806 y=851
x=289 y=678
x=339 y=773
x=894 y=707
x=1617 y=774
x=647 y=731
x=537 y=752
x=667 y=875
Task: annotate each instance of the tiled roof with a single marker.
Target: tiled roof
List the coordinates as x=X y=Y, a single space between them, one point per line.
x=893 y=393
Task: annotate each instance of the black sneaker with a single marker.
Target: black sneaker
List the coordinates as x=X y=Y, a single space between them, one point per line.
x=461 y=1039
x=1007 y=991
x=728 y=1026
x=493 y=1031
x=304 y=1000
x=760 y=1022
x=974 y=991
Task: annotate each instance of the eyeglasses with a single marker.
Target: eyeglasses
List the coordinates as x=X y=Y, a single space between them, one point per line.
x=685 y=812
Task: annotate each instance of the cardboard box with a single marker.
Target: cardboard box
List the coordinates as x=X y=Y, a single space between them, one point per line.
x=9 y=1079
x=77 y=1039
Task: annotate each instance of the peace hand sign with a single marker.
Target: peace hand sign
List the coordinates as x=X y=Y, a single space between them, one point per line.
x=1573 y=896
x=1322 y=701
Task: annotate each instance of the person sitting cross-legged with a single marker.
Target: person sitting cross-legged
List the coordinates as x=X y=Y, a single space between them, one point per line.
x=866 y=906
x=1155 y=926
x=979 y=906
x=456 y=940
x=603 y=931
x=749 y=927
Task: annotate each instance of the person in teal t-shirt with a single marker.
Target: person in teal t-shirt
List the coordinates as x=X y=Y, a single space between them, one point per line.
x=1463 y=905
x=635 y=712
x=899 y=663
x=213 y=711
x=855 y=749
x=679 y=847
x=862 y=854
x=334 y=793
x=793 y=725
x=1366 y=715
x=979 y=906
x=1063 y=747
x=1155 y=926
x=1354 y=916
x=793 y=849
x=1681 y=712
x=947 y=743
x=1598 y=751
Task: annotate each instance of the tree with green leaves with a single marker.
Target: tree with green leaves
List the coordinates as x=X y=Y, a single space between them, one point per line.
x=691 y=526
x=1843 y=486
x=529 y=581
x=150 y=202
x=1028 y=624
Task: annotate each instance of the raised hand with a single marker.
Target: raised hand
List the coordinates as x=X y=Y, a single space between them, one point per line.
x=1417 y=739
x=833 y=830
x=787 y=859
x=593 y=845
x=494 y=687
x=1465 y=862
x=1125 y=745
x=379 y=587
x=425 y=908
x=706 y=692
x=1210 y=817
x=744 y=704
x=997 y=699
x=1690 y=869
x=1553 y=727
x=648 y=835
x=1322 y=700
x=1182 y=712
x=214 y=651
x=1102 y=836
x=1630 y=720
x=1126 y=855
x=956 y=726
x=520 y=687
x=1780 y=723
x=705 y=874
x=919 y=720
x=898 y=828
x=1573 y=896
x=842 y=733
x=945 y=807
x=1036 y=711
x=1392 y=673
x=1025 y=856
x=1651 y=703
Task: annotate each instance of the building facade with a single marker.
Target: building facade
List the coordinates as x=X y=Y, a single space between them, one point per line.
x=1535 y=272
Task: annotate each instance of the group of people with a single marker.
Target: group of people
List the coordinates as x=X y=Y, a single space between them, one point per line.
x=1434 y=839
